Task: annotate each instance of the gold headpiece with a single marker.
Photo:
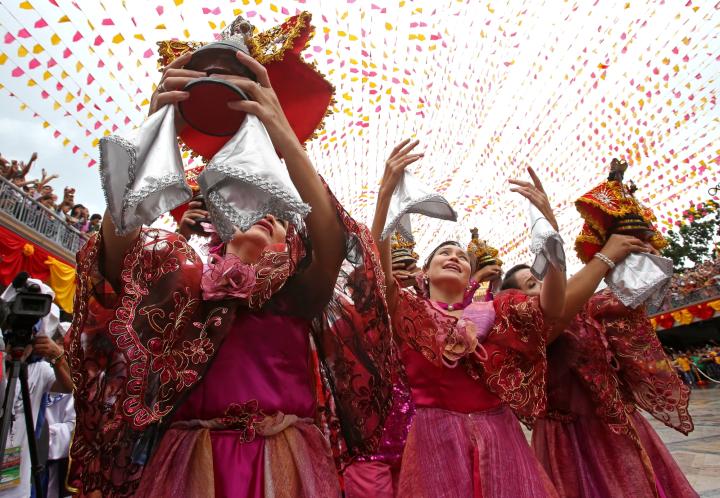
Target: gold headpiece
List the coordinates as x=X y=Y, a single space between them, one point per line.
x=611 y=207
x=485 y=254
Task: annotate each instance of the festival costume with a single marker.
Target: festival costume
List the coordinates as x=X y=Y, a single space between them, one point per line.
x=611 y=207
x=199 y=381
x=594 y=442
x=377 y=475
x=470 y=378
x=607 y=364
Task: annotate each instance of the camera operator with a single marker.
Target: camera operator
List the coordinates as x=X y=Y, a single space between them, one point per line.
x=47 y=371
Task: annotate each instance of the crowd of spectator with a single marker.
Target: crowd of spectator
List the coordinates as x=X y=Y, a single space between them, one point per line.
x=40 y=190
x=698 y=366
x=699 y=283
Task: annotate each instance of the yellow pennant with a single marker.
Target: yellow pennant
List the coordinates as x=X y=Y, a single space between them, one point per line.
x=3 y=58
x=38 y=49
x=26 y=5
x=55 y=39
x=22 y=51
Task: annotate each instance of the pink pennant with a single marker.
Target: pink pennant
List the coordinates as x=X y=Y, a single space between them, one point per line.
x=98 y=40
x=51 y=62
x=90 y=79
x=101 y=63
x=148 y=53
x=79 y=107
x=67 y=53
x=108 y=22
x=114 y=127
x=54 y=2
x=44 y=94
x=75 y=149
x=92 y=163
x=24 y=33
x=34 y=63
x=17 y=72
x=9 y=38
x=59 y=86
x=77 y=36
x=41 y=23
x=98 y=124
x=56 y=134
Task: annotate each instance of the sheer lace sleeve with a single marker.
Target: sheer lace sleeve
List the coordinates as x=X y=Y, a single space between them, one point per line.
x=645 y=372
x=515 y=365
x=134 y=354
x=354 y=344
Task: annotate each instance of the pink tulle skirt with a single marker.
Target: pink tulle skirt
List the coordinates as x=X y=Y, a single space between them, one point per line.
x=585 y=459
x=477 y=455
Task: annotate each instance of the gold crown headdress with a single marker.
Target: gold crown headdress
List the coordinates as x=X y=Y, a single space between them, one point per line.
x=484 y=253
x=611 y=207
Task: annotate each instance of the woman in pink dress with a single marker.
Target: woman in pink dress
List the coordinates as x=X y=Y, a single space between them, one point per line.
x=605 y=365
x=200 y=382
x=472 y=369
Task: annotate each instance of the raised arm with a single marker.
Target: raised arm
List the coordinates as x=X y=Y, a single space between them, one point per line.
x=584 y=283
x=400 y=158
x=552 y=294
x=326 y=233
x=26 y=167
x=115 y=246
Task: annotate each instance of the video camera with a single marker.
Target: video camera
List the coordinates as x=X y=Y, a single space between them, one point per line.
x=19 y=315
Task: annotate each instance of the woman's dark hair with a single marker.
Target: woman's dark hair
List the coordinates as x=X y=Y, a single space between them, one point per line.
x=432 y=254
x=510 y=280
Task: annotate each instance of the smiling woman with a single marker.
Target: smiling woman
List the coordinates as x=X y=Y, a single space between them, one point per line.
x=474 y=368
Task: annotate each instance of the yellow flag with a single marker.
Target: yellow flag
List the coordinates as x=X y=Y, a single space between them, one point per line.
x=38 y=49
x=31 y=82
x=178 y=2
x=69 y=97
x=26 y=5
x=118 y=38
x=78 y=66
x=140 y=37
x=55 y=39
x=64 y=19
x=22 y=51
x=47 y=75
x=64 y=75
x=96 y=142
x=3 y=58
x=45 y=124
x=56 y=105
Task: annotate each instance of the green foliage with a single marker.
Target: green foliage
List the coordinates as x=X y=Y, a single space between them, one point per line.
x=695 y=239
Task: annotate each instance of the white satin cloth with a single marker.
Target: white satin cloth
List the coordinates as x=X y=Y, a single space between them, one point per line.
x=143 y=177
x=641 y=278
x=412 y=196
x=546 y=244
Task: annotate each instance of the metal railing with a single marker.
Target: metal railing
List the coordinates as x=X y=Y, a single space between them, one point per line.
x=677 y=301
x=16 y=203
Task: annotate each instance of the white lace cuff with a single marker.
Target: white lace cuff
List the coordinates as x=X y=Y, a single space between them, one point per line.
x=142 y=176
x=246 y=180
x=641 y=278
x=412 y=196
x=546 y=245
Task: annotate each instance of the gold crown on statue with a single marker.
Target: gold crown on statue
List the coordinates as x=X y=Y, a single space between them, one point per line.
x=403 y=249
x=485 y=254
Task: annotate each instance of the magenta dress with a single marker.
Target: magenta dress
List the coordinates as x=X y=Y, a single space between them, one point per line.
x=196 y=381
x=465 y=440
x=594 y=442
x=263 y=361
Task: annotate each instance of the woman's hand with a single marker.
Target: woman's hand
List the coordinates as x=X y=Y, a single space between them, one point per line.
x=190 y=222
x=535 y=193
x=170 y=87
x=264 y=104
x=405 y=274
x=400 y=158
x=487 y=273
x=618 y=247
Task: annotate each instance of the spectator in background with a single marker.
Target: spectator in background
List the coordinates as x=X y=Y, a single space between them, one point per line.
x=95 y=223
x=60 y=417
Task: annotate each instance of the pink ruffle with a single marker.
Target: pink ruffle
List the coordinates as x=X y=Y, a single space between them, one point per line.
x=227 y=276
